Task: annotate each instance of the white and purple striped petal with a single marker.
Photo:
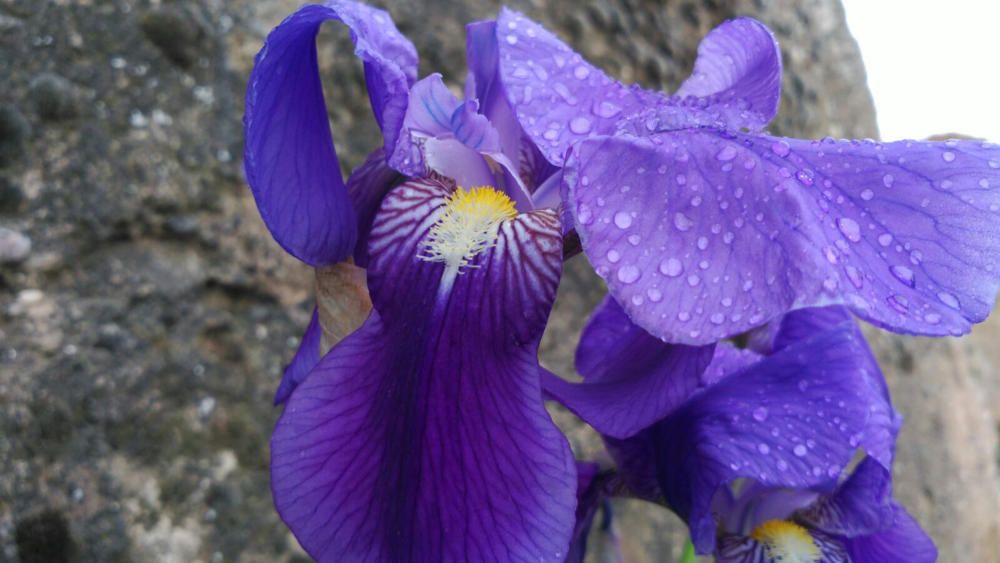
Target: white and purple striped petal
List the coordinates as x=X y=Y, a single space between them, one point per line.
x=422 y=436
x=290 y=160
x=702 y=234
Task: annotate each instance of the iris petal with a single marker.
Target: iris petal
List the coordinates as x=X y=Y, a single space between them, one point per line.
x=422 y=436
x=786 y=421
x=632 y=380
x=861 y=505
x=748 y=227
x=304 y=361
x=903 y=542
x=561 y=99
x=290 y=160
x=739 y=63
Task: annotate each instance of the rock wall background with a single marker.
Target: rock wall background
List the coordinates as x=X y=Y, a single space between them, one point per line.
x=145 y=314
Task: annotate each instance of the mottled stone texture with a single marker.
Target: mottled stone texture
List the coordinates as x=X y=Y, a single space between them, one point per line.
x=143 y=329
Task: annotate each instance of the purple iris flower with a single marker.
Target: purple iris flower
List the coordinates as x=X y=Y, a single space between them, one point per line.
x=686 y=424
x=421 y=436
x=858 y=522
x=704 y=226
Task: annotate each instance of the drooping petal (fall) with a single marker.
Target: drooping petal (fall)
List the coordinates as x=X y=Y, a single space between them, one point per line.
x=702 y=234
x=422 y=436
x=290 y=160
x=303 y=362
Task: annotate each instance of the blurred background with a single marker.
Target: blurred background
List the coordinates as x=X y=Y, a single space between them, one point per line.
x=146 y=315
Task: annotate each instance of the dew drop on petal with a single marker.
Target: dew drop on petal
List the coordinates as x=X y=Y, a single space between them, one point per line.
x=780 y=148
x=628 y=274
x=849 y=228
x=623 y=220
x=948 y=299
x=511 y=39
x=903 y=274
x=581 y=72
x=887 y=180
x=867 y=194
x=580 y=125
x=948 y=156
x=693 y=280
x=726 y=154
x=702 y=243
x=854 y=276
x=932 y=318
x=614 y=256
x=885 y=239
x=717 y=318
x=682 y=222
x=799 y=450
x=671 y=267
x=683 y=316
x=763 y=448
x=760 y=414
x=654 y=294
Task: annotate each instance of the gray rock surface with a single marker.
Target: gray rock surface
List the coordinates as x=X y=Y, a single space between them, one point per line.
x=142 y=336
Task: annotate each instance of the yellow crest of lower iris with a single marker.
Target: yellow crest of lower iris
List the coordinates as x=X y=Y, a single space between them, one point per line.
x=467 y=226
x=787 y=542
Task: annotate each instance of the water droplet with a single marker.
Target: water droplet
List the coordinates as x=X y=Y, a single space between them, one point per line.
x=932 y=318
x=948 y=156
x=682 y=222
x=867 y=194
x=683 y=316
x=637 y=300
x=551 y=134
x=849 y=228
x=634 y=240
x=760 y=414
x=805 y=177
x=605 y=109
x=693 y=280
x=885 y=239
x=780 y=148
x=763 y=448
x=579 y=125
x=581 y=72
x=903 y=274
x=782 y=465
x=799 y=450
x=717 y=318
x=984 y=183
x=898 y=302
x=681 y=179
x=511 y=39
x=628 y=274
x=654 y=294
x=671 y=267
x=584 y=215
x=702 y=243
x=614 y=256
x=726 y=154
x=854 y=276
x=948 y=299
x=887 y=180
x=623 y=220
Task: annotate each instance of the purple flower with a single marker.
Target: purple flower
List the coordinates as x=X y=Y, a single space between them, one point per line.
x=422 y=436
x=685 y=422
x=704 y=226
x=857 y=522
